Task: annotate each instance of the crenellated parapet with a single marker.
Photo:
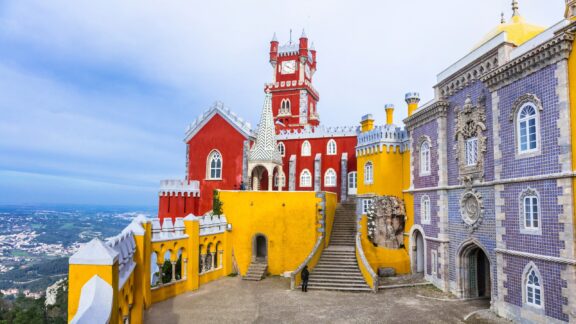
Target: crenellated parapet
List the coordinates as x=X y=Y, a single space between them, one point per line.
x=280 y=85
x=115 y=280
x=384 y=137
x=185 y=188
x=317 y=132
x=213 y=224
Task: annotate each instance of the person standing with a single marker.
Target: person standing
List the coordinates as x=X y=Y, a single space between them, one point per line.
x=305 y=274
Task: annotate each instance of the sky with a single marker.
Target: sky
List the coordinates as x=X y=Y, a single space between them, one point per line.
x=95 y=95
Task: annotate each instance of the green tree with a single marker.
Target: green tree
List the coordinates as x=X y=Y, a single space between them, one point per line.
x=217 y=204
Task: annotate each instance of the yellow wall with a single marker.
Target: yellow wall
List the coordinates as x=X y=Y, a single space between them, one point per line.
x=388 y=168
x=572 y=89
x=379 y=257
x=331 y=204
x=287 y=219
x=78 y=275
x=391 y=178
x=365 y=272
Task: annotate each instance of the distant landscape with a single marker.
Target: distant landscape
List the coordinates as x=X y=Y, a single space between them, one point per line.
x=36 y=240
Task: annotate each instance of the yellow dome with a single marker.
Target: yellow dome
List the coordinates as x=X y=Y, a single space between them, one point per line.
x=518 y=30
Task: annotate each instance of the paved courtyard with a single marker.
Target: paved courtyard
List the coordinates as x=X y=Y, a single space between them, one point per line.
x=232 y=300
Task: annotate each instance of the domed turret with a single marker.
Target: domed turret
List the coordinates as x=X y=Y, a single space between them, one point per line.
x=518 y=30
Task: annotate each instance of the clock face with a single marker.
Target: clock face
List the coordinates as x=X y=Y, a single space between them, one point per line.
x=288 y=67
x=307 y=70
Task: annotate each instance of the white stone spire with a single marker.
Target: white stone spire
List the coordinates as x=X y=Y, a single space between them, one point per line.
x=265 y=148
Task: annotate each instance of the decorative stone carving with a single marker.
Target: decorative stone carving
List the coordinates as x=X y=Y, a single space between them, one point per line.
x=470 y=123
x=303 y=107
x=386 y=221
x=472 y=209
x=527 y=98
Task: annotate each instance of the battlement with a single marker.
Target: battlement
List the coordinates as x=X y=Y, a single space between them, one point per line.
x=318 y=132
x=184 y=187
x=389 y=136
x=125 y=246
x=167 y=230
x=271 y=86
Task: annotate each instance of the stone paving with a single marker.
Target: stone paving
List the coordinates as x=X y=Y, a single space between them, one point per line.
x=231 y=300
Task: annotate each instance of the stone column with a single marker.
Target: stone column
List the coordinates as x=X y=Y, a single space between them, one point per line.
x=245 y=151
x=270 y=181
x=173 y=270
x=160 y=282
x=220 y=261
x=292 y=173
x=344 y=177
x=318 y=172
x=184 y=268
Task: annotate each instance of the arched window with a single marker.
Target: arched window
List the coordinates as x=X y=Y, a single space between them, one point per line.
x=330 y=178
x=425 y=158
x=305 y=178
x=282 y=149
x=279 y=180
x=531 y=212
x=425 y=209
x=368 y=173
x=331 y=147
x=285 y=107
x=533 y=288
x=527 y=124
x=214 y=166
x=306 y=149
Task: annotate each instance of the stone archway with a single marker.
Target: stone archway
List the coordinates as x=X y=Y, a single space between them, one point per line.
x=418 y=252
x=259 y=178
x=474 y=271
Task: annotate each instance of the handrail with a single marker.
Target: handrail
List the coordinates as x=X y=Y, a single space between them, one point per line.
x=293 y=279
x=364 y=264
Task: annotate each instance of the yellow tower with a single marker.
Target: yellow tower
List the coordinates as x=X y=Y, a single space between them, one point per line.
x=389 y=114
x=412 y=99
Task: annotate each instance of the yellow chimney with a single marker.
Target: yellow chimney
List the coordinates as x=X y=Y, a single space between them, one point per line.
x=367 y=123
x=412 y=99
x=389 y=114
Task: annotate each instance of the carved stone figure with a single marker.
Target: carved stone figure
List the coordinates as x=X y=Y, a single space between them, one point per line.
x=386 y=221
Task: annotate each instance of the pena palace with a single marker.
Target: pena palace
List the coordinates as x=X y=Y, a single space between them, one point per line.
x=474 y=192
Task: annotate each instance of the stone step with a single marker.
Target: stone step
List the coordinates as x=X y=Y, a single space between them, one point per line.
x=339 y=288
x=354 y=281
x=338 y=284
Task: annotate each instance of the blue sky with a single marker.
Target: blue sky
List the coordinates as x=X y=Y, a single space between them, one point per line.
x=95 y=95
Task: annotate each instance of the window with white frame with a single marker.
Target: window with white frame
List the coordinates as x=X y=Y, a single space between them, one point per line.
x=533 y=288
x=531 y=213
x=527 y=128
x=285 y=107
x=331 y=147
x=425 y=209
x=305 y=178
x=366 y=203
x=434 y=263
x=472 y=151
x=306 y=149
x=368 y=173
x=214 y=166
x=330 y=178
x=282 y=149
x=425 y=158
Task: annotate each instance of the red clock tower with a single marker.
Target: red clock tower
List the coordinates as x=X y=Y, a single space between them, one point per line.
x=294 y=99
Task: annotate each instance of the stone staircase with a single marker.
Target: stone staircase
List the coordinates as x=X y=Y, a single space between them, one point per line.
x=337 y=268
x=256 y=271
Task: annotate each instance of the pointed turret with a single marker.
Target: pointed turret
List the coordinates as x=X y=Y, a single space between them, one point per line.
x=274 y=50
x=303 y=50
x=265 y=148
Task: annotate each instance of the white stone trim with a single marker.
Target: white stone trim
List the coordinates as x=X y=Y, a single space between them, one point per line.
x=536 y=256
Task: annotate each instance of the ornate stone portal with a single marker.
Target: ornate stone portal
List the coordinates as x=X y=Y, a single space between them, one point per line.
x=386 y=221
x=471 y=143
